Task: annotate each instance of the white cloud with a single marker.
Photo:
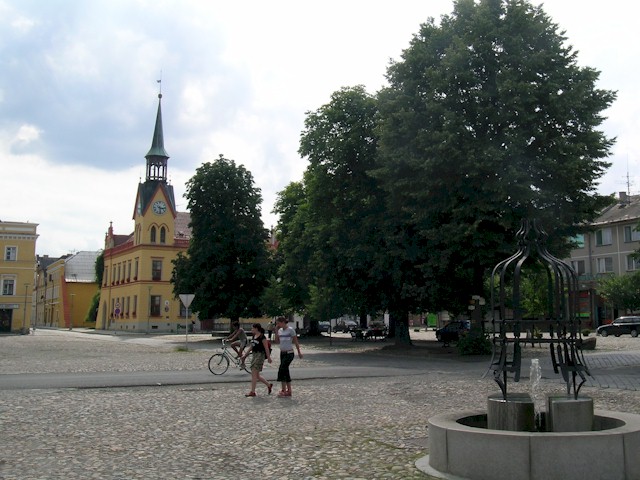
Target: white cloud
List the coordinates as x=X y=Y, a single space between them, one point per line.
x=79 y=93
x=26 y=134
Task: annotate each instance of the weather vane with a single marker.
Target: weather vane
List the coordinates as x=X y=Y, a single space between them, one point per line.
x=160 y=83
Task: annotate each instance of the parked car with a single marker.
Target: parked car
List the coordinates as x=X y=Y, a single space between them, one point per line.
x=346 y=326
x=451 y=331
x=620 y=326
x=324 y=326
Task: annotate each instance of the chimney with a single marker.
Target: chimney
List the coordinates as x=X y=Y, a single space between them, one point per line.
x=623 y=197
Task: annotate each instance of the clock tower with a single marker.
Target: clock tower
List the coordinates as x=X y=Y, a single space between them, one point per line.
x=155 y=202
x=136 y=294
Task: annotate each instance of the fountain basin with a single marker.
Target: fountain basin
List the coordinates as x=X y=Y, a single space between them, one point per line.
x=461 y=445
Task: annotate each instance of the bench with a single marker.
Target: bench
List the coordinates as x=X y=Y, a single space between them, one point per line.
x=356 y=335
x=376 y=333
x=369 y=334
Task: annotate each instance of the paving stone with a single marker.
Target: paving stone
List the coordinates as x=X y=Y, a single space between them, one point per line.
x=362 y=428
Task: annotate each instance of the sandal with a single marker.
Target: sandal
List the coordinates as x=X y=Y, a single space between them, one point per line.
x=250 y=394
x=269 y=388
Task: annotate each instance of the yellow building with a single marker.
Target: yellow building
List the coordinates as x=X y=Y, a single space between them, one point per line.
x=136 y=294
x=18 y=247
x=64 y=290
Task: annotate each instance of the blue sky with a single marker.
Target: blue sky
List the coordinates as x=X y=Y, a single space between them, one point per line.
x=78 y=93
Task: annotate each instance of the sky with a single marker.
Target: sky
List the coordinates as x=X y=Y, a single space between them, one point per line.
x=79 y=93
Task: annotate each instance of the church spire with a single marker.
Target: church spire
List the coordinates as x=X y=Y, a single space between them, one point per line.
x=157 y=156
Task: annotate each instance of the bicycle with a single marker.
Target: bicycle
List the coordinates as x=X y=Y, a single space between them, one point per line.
x=219 y=362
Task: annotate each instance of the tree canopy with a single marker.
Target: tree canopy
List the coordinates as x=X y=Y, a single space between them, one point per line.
x=412 y=195
x=227 y=262
x=489 y=119
x=622 y=292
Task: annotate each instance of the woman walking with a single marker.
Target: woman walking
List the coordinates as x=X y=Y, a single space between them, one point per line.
x=260 y=350
x=286 y=336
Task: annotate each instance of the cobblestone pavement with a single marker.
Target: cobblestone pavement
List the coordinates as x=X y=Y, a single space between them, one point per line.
x=330 y=429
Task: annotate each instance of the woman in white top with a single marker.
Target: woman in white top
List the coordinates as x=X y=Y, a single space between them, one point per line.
x=286 y=336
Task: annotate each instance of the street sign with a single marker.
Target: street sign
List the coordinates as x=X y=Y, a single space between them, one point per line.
x=187 y=298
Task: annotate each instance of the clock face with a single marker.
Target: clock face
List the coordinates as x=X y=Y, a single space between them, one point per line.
x=159 y=207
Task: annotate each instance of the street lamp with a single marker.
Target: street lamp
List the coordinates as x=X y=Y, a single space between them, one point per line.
x=24 y=323
x=71 y=319
x=149 y=310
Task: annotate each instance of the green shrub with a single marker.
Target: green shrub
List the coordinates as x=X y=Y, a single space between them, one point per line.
x=474 y=343
x=586 y=332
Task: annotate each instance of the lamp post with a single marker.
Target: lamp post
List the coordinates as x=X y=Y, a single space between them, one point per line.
x=71 y=319
x=149 y=311
x=24 y=325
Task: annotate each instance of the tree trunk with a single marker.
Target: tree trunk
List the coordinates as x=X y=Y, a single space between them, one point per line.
x=400 y=320
x=363 y=320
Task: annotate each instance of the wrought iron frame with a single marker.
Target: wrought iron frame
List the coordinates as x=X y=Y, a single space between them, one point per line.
x=561 y=320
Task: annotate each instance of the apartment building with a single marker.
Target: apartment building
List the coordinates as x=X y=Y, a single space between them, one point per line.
x=606 y=250
x=17 y=266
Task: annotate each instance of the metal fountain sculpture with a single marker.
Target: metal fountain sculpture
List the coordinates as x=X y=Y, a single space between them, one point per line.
x=509 y=440
x=560 y=321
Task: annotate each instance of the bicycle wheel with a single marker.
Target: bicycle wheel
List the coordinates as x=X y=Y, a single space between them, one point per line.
x=218 y=364
x=246 y=366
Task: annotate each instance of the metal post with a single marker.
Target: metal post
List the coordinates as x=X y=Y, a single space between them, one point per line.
x=71 y=318
x=24 y=325
x=149 y=311
x=186 y=330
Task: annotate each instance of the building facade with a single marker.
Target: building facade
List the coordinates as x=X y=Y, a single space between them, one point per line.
x=64 y=290
x=136 y=293
x=607 y=249
x=17 y=266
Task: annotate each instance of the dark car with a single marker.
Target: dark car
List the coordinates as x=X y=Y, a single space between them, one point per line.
x=620 y=326
x=451 y=331
x=324 y=326
x=346 y=326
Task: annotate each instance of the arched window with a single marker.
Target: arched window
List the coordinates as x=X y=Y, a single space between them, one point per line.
x=163 y=235
x=153 y=234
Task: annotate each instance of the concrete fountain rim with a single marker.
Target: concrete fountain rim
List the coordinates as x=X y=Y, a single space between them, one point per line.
x=534 y=455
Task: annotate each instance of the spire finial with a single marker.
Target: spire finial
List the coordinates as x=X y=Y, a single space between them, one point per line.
x=160 y=85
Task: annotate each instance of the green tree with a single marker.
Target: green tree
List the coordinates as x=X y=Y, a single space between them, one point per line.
x=488 y=119
x=344 y=203
x=227 y=262
x=92 y=313
x=621 y=291
x=99 y=268
x=293 y=277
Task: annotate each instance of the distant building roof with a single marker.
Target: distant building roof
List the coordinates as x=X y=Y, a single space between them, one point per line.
x=81 y=267
x=120 y=239
x=44 y=261
x=626 y=209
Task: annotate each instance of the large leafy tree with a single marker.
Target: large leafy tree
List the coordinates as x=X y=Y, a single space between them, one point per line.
x=488 y=119
x=294 y=274
x=227 y=263
x=344 y=203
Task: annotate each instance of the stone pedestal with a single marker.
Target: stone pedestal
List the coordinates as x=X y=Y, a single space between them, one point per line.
x=515 y=414
x=567 y=414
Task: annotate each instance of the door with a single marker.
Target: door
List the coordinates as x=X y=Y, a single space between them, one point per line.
x=5 y=320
